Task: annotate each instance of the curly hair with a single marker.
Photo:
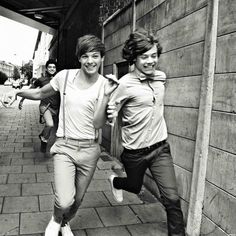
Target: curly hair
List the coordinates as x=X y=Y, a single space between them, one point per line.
x=139 y=42
x=89 y=43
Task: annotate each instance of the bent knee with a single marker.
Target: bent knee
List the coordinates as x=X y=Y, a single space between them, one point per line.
x=64 y=203
x=171 y=200
x=135 y=189
x=49 y=124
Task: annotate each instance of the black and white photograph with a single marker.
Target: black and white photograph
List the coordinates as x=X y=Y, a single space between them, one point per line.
x=118 y=118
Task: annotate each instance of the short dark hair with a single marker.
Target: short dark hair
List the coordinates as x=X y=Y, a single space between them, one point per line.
x=89 y=43
x=139 y=42
x=51 y=61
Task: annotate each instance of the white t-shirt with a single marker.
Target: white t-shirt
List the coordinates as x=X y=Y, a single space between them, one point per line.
x=80 y=105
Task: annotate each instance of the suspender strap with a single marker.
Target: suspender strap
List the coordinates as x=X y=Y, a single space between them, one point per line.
x=63 y=104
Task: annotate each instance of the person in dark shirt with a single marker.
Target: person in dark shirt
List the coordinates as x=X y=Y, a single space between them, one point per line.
x=48 y=107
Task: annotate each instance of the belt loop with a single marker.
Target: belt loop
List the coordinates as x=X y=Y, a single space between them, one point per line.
x=66 y=140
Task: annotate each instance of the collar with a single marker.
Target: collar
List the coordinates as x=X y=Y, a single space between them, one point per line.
x=157 y=76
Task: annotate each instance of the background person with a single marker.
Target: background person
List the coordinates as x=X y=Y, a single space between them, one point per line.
x=48 y=106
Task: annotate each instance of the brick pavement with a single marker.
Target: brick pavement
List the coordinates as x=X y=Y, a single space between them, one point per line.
x=26 y=188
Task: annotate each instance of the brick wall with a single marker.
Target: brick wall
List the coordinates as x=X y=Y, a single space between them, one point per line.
x=108 y=7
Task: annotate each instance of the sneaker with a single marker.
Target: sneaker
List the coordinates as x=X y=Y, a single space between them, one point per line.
x=66 y=230
x=53 y=228
x=117 y=193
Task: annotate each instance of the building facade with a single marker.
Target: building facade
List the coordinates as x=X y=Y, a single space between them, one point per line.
x=7 y=68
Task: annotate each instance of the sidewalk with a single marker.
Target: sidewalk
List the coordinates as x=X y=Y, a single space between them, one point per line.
x=26 y=188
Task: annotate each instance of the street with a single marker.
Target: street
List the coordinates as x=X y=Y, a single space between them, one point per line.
x=26 y=187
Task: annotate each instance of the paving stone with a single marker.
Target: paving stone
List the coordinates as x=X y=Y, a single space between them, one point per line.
x=44 y=160
x=33 y=155
x=109 y=231
x=10 y=169
x=22 y=178
x=150 y=212
x=24 y=140
x=129 y=198
x=32 y=235
x=10 y=189
x=11 y=144
x=102 y=174
x=34 y=168
x=34 y=223
x=3 y=179
x=105 y=165
x=5 y=161
x=94 y=199
x=36 y=189
x=16 y=162
x=152 y=229
x=33 y=136
x=20 y=204
x=79 y=232
x=118 y=215
x=45 y=177
x=46 y=202
x=12 y=155
x=99 y=185
x=86 y=218
x=24 y=149
x=7 y=149
x=147 y=197
x=25 y=144
x=3 y=137
x=9 y=224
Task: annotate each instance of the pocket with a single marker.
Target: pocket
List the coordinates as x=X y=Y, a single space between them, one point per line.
x=53 y=149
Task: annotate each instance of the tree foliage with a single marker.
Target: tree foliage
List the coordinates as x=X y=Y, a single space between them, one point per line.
x=3 y=77
x=27 y=70
x=16 y=73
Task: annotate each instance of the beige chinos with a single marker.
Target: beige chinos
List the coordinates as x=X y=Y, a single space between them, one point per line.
x=74 y=166
x=76 y=150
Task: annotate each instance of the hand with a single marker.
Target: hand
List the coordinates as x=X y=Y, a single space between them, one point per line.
x=111 y=84
x=112 y=112
x=20 y=105
x=8 y=99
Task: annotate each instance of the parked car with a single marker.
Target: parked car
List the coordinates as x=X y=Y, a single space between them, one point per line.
x=8 y=83
x=17 y=84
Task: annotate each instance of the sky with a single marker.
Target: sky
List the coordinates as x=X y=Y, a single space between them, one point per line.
x=17 y=41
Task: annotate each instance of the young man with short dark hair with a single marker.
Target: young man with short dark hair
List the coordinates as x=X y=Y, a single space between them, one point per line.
x=76 y=150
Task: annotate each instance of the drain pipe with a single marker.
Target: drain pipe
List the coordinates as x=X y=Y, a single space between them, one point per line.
x=204 y=122
x=133 y=15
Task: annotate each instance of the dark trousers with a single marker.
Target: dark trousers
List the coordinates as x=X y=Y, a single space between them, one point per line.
x=159 y=161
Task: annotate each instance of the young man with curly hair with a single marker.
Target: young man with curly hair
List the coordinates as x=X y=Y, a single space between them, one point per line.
x=140 y=99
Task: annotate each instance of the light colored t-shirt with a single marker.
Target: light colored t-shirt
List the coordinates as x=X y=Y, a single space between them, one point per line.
x=141 y=109
x=79 y=105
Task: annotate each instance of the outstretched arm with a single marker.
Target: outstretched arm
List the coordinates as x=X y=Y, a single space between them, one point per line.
x=22 y=99
x=32 y=94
